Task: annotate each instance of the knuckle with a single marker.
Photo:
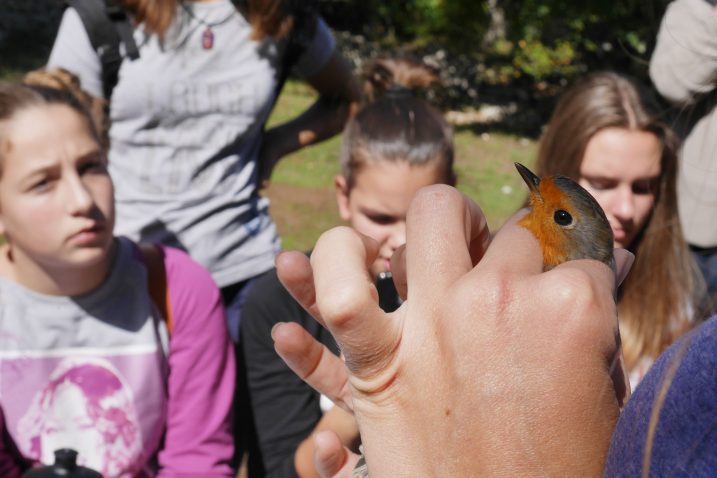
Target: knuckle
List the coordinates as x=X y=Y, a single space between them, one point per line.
x=575 y=290
x=343 y=304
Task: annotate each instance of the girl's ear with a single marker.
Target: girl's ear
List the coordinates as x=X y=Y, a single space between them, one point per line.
x=342 y=197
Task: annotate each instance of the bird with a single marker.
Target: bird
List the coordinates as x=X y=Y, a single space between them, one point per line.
x=566 y=220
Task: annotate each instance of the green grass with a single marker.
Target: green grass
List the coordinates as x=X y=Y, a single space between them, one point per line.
x=484 y=165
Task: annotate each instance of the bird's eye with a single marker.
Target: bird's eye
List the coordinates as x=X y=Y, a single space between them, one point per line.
x=563 y=217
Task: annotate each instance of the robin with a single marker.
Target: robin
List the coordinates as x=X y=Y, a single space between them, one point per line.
x=567 y=221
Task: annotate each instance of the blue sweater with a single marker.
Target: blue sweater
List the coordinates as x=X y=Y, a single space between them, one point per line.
x=685 y=438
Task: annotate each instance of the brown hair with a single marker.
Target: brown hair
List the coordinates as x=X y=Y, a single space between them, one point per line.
x=395 y=124
x=61 y=79
x=16 y=97
x=267 y=17
x=658 y=297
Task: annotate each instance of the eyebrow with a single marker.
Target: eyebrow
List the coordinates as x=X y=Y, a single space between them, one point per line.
x=52 y=164
x=610 y=178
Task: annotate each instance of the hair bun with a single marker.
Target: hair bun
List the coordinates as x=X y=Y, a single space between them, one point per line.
x=397 y=78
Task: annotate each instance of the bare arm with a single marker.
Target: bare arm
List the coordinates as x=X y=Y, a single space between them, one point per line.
x=339 y=95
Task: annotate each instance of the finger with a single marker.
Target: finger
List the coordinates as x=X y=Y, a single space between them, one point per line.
x=446 y=234
x=295 y=273
x=624 y=260
x=312 y=362
x=331 y=458
x=514 y=249
x=348 y=301
x=398 y=271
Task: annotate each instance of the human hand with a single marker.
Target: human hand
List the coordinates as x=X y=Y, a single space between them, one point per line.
x=506 y=368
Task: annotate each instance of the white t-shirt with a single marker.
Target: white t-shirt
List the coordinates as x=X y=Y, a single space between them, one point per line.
x=186 y=133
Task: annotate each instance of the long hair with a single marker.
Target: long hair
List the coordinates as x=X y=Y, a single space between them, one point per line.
x=395 y=124
x=659 y=296
x=267 y=17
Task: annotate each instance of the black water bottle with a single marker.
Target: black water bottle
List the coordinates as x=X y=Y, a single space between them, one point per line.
x=65 y=466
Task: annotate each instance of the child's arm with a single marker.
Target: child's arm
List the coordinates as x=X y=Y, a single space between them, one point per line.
x=198 y=439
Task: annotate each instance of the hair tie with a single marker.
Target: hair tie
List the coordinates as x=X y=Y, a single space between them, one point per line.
x=396 y=92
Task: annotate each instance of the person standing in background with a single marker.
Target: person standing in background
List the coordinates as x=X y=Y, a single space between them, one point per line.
x=606 y=133
x=683 y=68
x=188 y=148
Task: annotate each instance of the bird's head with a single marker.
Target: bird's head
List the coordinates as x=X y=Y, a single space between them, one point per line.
x=567 y=221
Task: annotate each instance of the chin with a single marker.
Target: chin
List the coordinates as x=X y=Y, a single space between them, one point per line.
x=90 y=256
x=376 y=268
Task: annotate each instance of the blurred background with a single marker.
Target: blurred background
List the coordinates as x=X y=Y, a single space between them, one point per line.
x=502 y=62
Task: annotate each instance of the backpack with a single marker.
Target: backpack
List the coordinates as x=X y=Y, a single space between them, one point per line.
x=108 y=26
x=153 y=258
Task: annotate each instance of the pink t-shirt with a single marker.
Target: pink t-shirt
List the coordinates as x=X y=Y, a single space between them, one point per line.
x=99 y=373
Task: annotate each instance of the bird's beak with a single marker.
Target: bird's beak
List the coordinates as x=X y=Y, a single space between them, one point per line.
x=530 y=179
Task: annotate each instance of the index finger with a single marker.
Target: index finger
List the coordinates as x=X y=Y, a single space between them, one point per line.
x=446 y=234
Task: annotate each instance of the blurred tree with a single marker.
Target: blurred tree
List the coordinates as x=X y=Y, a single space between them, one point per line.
x=538 y=39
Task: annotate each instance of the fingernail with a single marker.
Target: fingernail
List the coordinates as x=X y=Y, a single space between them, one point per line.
x=623 y=262
x=273 y=329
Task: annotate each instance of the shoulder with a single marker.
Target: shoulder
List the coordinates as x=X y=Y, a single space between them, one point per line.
x=682 y=16
x=180 y=266
x=192 y=291
x=317 y=49
x=681 y=389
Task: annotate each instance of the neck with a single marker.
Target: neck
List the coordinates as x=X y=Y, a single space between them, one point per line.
x=50 y=279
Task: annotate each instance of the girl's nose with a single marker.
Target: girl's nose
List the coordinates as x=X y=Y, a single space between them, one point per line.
x=79 y=199
x=624 y=204
x=397 y=236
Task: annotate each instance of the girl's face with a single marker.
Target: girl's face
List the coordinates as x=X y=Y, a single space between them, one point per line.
x=621 y=169
x=56 y=197
x=377 y=204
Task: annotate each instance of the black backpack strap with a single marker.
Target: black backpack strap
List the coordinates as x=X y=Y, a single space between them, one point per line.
x=107 y=26
x=306 y=14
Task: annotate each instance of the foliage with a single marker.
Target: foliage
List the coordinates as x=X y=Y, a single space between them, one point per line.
x=540 y=40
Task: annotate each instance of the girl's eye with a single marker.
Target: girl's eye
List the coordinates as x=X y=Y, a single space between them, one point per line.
x=601 y=184
x=94 y=166
x=382 y=220
x=647 y=186
x=41 y=185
